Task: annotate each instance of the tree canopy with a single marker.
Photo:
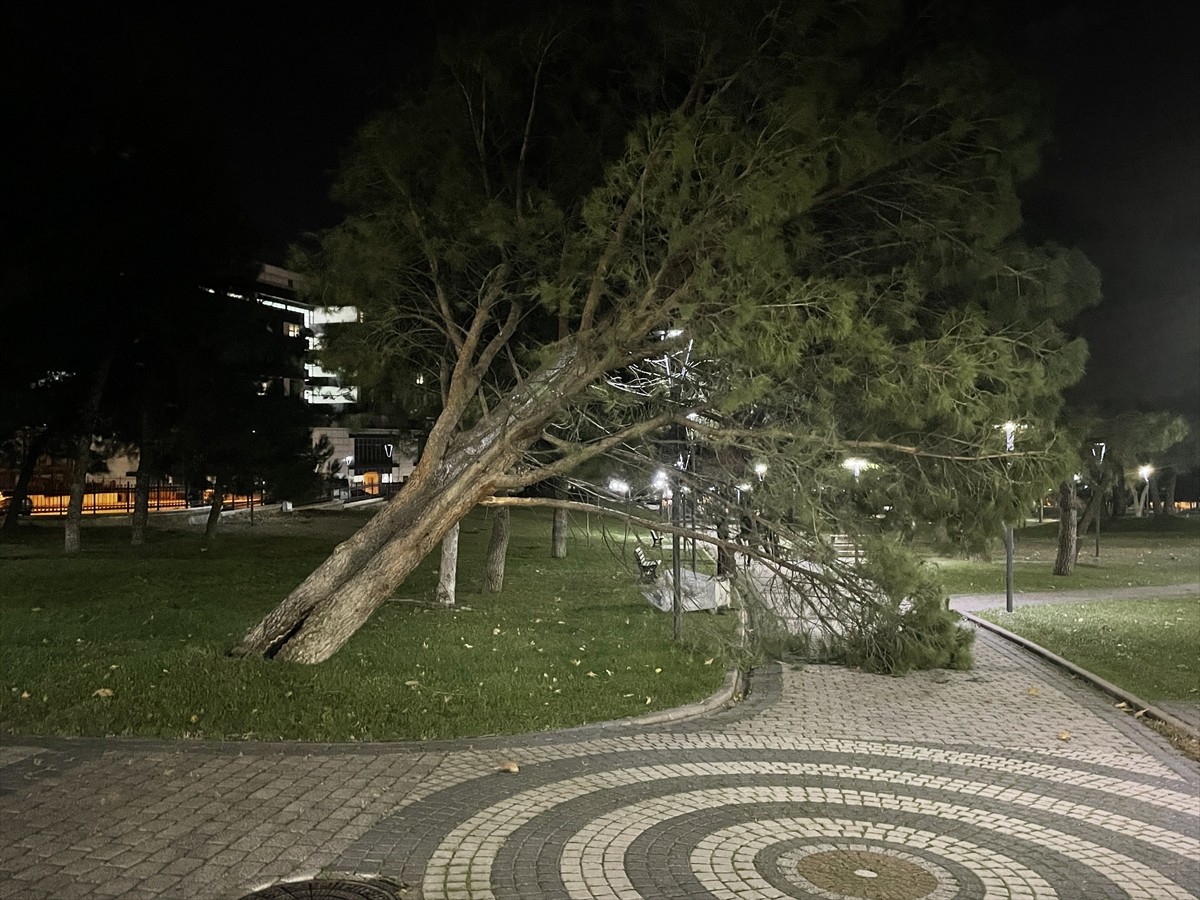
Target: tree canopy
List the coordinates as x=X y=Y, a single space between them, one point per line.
x=707 y=236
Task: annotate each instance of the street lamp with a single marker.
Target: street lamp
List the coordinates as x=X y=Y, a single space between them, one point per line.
x=1010 y=442
x=857 y=465
x=1098 y=450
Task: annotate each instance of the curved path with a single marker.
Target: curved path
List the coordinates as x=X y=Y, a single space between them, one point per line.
x=1009 y=781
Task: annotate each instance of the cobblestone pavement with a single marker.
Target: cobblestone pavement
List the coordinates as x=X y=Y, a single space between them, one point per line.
x=1008 y=781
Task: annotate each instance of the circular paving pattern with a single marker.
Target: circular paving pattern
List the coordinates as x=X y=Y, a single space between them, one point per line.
x=786 y=818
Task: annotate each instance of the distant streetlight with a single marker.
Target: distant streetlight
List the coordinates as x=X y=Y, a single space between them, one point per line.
x=617 y=486
x=857 y=465
x=1144 y=473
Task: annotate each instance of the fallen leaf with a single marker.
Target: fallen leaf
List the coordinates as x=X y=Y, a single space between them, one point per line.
x=194 y=719
x=25 y=695
x=102 y=692
x=1139 y=713
x=1064 y=735
x=510 y=766
x=647 y=701
x=1033 y=692
x=709 y=662
x=1122 y=705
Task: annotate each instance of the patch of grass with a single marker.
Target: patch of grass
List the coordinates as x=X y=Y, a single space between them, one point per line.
x=1147 y=647
x=568 y=642
x=1133 y=553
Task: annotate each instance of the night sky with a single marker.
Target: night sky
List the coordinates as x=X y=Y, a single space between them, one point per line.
x=1122 y=180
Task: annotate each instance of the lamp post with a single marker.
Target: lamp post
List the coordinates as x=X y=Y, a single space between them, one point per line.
x=1010 y=442
x=1098 y=449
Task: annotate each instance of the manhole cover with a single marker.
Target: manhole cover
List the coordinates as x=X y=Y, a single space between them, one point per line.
x=329 y=890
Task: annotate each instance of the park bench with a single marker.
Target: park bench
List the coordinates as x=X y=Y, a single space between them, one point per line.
x=655 y=538
x=647 y=566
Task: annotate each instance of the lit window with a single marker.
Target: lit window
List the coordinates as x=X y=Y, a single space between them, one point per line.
x=291 y=329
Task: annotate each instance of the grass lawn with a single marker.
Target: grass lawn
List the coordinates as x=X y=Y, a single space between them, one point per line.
x=1147 y=647
x=132 y=641
x=1133 y=552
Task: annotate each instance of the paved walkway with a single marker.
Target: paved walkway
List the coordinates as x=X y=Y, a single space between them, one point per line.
x=1009 y=781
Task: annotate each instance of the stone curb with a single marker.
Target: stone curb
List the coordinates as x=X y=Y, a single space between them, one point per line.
x=735 y=683
x=1108 y=687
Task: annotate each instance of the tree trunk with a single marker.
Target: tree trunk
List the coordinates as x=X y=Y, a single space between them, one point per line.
x=558 y=535
x=1068 y=529
x=89 y=413
x=320 y=615
x=448 y=571
x=1166 y=505
x=1141 y=499
x=455 y=473
x=726 y=558
x=1091 y=513
x=214 y=511
x=497 y=552
x=141 y=493
x=1120 y=498
x=33 y=451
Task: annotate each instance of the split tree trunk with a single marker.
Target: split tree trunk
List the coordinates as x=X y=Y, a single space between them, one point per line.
x=448 y=571
x=322 y=613
x=497 y=552
x=456 y=472
x=1068 y=529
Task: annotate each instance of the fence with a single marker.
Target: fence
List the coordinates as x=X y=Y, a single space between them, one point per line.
x=101 y=499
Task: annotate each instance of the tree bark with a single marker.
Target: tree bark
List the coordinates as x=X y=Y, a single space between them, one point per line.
x=1166 y=505
x=214 y=511
x=497 y=552
x=1120 y=498
x=448 y=571
x=726 y=558
x=558 y=535
x=89 y=413
x=141 y=493
x=1091 y=513
x=455 y=473
x=1068 y=529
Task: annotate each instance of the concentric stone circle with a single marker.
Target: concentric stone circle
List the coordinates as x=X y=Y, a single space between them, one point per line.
x=860 y=820
x=860 y=871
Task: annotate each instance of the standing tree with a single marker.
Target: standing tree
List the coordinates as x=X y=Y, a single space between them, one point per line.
x=116 y=207
x=816 y=202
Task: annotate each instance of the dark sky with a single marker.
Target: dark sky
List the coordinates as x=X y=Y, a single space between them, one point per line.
x=1122 y=180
